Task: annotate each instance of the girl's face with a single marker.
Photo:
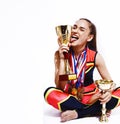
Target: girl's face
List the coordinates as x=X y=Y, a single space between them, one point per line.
x=80 y=33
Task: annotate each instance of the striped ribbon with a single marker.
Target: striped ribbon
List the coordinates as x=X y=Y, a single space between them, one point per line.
x=80 y=69
x=77 y=67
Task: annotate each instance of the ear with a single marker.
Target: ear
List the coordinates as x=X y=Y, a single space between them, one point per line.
x=90 y=37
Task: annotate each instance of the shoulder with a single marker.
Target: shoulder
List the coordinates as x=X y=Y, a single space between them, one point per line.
x=91 y=54
x=99 y=59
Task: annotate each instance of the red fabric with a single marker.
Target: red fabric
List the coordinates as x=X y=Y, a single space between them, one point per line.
x=116 y=93
x=89 y=91
x=90 y=55
x=54 y=97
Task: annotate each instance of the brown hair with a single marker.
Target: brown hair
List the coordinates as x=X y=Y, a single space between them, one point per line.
x=92 y=44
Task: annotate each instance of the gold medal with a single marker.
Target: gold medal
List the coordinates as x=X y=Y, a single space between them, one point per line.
x=74 y=91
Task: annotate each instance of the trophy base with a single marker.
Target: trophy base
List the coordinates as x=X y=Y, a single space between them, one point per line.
x=66 y=77
x=103 y=118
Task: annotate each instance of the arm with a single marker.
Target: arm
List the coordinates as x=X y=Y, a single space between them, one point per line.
x=60 y=66
x=56 y=62
x=101 y=67
x=59 y=70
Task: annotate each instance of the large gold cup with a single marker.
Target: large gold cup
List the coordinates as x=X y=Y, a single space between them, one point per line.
x=104 y=85
x=64 y=32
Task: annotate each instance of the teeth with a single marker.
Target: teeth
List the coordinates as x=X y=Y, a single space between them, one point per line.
x=75 y=37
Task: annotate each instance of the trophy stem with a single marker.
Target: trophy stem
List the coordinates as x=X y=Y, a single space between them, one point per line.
x=104 y=108
x=66 y=66
x=103 y=117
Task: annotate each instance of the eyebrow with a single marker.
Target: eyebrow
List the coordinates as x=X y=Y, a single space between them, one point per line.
x=82 y=27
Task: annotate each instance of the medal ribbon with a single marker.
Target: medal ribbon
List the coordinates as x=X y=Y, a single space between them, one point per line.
x=78 y=67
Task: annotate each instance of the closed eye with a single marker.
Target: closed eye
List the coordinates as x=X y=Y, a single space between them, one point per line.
x=82 y=28
x=74 y=26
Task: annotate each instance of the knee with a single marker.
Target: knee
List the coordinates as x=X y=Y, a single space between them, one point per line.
x=47 y=90
x=112 y=103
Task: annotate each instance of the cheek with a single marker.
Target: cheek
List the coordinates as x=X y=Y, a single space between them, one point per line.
x=83 y=38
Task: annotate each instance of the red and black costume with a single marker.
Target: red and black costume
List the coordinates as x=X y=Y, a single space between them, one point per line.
x=67 y=100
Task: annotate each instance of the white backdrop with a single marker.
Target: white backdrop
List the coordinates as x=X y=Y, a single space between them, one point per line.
x=27 y=44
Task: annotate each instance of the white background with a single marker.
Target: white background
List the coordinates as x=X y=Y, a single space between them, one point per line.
x=27 y=44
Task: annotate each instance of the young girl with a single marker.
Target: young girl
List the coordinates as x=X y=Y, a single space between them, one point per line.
x=81 y=97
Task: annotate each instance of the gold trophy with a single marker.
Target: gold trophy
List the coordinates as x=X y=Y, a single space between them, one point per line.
x=64 y=32
x=104 y=85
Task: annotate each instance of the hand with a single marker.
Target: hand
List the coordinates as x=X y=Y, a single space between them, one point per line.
x=63 y=48
x=105 y=97
x=113 y=86
x=95 y=97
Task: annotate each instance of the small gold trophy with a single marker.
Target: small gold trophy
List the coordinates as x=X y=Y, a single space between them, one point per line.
x=64 y=32
x=104 y=85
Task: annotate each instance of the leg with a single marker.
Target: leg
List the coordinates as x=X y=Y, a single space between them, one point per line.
x=64 y=102
x=61 y=100
x=92 y=110
x=112 y=103
x=116 y=94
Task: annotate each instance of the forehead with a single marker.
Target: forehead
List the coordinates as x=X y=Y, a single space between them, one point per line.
x=82 y=23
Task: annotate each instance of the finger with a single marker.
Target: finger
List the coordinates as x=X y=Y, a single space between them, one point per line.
x=113 y=86
x=64 y=47
x=105 y=100
x=105 y=97
x=64 y=50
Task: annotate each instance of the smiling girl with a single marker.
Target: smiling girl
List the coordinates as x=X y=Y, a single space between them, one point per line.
x=80 y=98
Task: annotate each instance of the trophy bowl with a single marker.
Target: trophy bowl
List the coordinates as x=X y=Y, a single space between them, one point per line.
x=64 y=32
x=104 y=85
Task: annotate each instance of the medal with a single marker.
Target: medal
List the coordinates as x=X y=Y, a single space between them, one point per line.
x=74 y=91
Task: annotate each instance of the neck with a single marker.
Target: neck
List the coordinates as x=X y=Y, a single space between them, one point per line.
x=78 y=50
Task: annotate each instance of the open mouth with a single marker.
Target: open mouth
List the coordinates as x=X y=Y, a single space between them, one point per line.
x=74 y=38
